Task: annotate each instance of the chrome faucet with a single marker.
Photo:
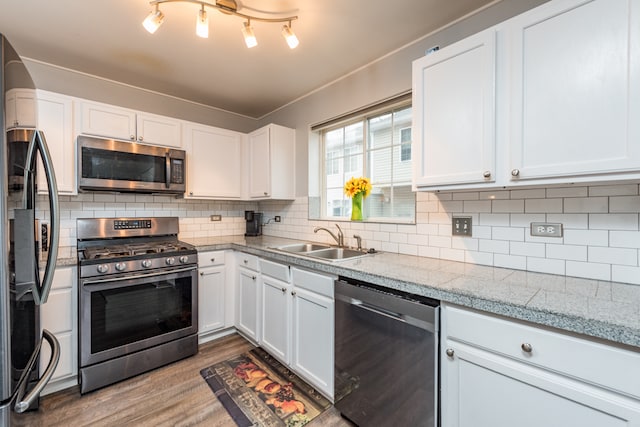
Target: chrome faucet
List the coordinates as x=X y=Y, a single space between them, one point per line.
x=339 y=238
x=359 y=240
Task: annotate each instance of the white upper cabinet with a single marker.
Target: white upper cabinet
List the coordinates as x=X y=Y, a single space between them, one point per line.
x=55 y=119
x=454 y=113
x=214 y=162
x=575 y=92
x=271 y=163
x=120 y=123
x=20 y=108
x=551 y=96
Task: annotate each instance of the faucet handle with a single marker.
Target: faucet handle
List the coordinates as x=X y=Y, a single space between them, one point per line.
x=340 y=236
x=359 y=240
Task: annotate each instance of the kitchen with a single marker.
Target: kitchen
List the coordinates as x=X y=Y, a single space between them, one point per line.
x=601 y=221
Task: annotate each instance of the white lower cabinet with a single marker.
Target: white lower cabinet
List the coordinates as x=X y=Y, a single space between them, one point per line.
x=249 y=301
x=58 y=316
x=297 y=321
x=213 y=295
x=496 y=372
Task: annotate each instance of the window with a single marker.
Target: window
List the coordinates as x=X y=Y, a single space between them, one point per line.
x=378 y=146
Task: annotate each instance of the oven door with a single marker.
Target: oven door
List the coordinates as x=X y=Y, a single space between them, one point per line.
x=123 y=315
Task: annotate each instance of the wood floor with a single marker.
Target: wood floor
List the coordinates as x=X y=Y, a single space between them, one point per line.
x=175 y=395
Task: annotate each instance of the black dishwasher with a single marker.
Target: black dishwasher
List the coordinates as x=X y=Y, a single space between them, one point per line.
x=386 y=356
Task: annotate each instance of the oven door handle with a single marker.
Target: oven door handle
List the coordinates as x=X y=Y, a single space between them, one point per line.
x=137 y=276
x=167 y=167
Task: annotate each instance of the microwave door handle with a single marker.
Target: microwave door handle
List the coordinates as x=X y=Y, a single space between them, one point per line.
x=42 y=294
x=167 y=166
x=23 y=402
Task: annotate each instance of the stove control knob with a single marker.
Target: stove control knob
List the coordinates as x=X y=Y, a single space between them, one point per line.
x=146 y=263
x=103 y=268
x=184 y=259
x=171 y=261
x=121 y=266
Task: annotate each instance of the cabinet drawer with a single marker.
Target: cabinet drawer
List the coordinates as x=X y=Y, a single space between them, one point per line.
x=209 y=259
x=608 y=366
x=314 y=282
x=248 y=261
x=67 y=364
x=275 y=270
x=57 y=314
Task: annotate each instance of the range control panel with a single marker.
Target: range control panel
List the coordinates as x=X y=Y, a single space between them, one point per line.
x=131 y=224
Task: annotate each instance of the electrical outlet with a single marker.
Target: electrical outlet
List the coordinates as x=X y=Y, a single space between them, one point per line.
x=277 y=218
x=546 y=229
x=216 y=217
x=461 y=226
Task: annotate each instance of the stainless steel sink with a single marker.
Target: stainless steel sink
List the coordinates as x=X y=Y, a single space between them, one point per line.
x=337 y=253
x=321 y=251
x=302 y=247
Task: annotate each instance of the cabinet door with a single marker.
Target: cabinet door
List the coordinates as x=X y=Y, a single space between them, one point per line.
x=20 y=109
x=158 y=130
x=214 y=158
x=248 y=303
x=211 y=299
x=55 y=119
x=454 y=113
x=480 y=388
x=313 y=327
x=575 y=92
x=59 y=317
x=108 y=121
x=276 y=318
x=260 y=163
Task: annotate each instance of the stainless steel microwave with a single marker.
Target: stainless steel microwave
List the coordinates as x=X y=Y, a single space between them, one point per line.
x=111 y=165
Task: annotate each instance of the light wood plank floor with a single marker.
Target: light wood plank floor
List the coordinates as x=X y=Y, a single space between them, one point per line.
x=174 y=395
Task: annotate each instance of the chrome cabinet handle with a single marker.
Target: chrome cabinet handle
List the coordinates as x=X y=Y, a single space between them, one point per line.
x=140 y=138
x=246 y=261
x=202 y=273
x=266 y=194
x=293 y=293
x=526 y=347
x=253 y=277
x=132 y=137
x=487 y=174
x=213 y=260
x=515 y=172
x=450 y=352
x=284 y=290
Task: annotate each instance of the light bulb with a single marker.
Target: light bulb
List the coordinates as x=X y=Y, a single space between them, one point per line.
x=153 y=21
x=202 y=24
x=290 y=36
x=249 y=38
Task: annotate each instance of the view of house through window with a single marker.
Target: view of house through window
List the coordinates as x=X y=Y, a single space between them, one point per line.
x=377 y=146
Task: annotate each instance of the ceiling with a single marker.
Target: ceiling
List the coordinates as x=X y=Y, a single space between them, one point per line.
x=106 y=39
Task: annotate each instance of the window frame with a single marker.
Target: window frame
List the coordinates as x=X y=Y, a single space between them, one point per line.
x=364 y=119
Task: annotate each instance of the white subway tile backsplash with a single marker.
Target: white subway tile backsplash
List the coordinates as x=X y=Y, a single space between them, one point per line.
x=525 y=220
x=527 y=249
x=466 y=196
x=482 y=258
x=624 y=204
x=616 y=256
x=586 y=204
x=543 y=205
x=567 y=192
x=477 y=206
x=510 y=261
x=546 y=265
x=589 y=270
x=626 y=274
x=586 y=237
x=507 y=233
x=613 y=221
x=613 y=190
x=494 y=219
x=580 y=221
x=495 y=246
x=536 y=193
x=500 y=206
x=567 y=252
x=624 y=239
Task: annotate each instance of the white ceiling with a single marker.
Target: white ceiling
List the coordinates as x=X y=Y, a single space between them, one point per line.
x=105 y=38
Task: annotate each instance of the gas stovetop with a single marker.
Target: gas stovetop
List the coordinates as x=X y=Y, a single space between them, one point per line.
x=130 y=245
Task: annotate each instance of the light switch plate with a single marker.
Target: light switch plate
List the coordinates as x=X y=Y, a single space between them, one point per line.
x=461 y=226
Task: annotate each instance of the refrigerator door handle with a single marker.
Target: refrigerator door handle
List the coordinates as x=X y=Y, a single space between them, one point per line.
x=23 y=402
x=39 y=144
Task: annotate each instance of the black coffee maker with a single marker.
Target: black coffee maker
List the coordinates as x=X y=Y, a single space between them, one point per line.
x=254 y=223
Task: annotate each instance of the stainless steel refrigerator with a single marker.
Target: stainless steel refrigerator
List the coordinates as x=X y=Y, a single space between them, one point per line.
x=23 y=289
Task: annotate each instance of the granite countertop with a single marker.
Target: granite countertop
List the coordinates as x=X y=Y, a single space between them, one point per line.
x=599 y=309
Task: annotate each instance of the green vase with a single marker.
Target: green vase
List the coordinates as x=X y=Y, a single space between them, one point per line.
x=356 y=207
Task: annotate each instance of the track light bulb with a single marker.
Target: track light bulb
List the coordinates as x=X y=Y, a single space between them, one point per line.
x=249 y=38
x=202 y=24
x=153 y=21
x=290 y=36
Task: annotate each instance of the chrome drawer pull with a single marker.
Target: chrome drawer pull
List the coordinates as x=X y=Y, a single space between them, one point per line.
x=526 y=347
x=450 y=352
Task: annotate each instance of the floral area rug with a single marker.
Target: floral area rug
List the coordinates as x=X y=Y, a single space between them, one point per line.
x=257 y=390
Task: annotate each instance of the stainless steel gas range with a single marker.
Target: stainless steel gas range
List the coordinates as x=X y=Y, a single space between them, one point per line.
x=138 y=293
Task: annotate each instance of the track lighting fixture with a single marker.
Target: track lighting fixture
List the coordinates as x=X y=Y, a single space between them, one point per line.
x=228 y=7
x=153 y=21
x=249 y=38
x=202 y=24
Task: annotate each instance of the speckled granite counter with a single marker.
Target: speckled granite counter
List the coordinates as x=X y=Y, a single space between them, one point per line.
x=595 y=308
